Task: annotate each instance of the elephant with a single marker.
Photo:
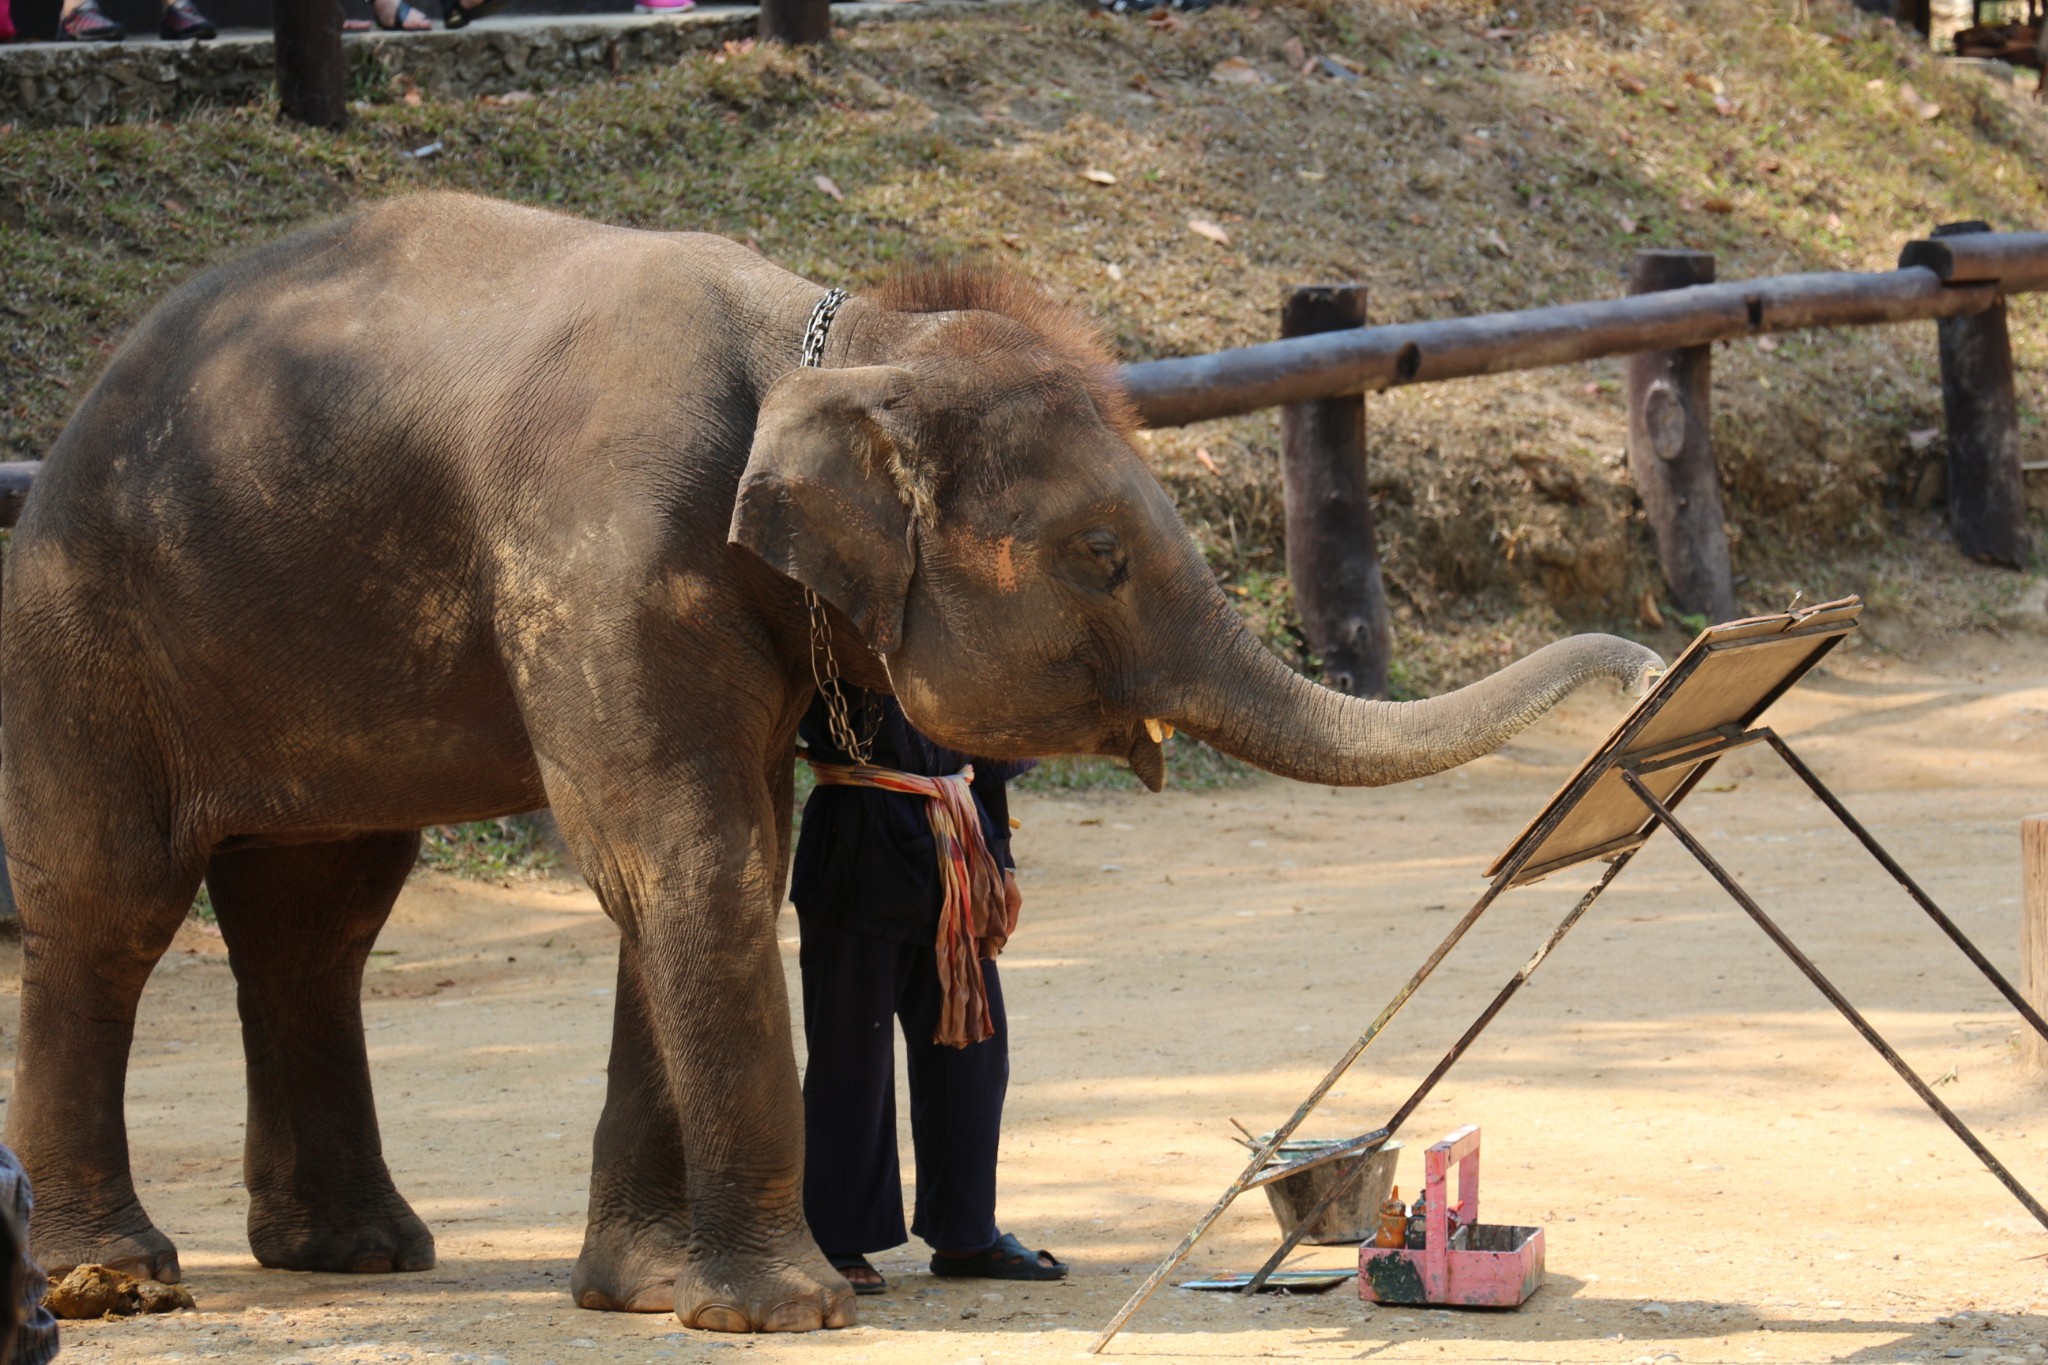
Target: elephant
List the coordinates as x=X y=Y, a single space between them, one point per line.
x=451 y=508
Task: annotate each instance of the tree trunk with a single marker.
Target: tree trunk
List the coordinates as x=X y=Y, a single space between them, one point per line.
x=1987 y=495
x=796 y=23
x=312 y=73
x=1333 y=560
x=1670 y=450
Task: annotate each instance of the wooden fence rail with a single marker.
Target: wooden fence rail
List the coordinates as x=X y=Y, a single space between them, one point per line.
x=1958 y=278
x=1327 y=360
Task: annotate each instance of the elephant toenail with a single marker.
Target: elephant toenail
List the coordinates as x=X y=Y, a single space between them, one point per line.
x=373 y=1264
x=721 y=1317
x=791 y=1315
x=842 y=1312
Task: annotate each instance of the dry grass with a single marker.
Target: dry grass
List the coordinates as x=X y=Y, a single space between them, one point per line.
x=1488 y=158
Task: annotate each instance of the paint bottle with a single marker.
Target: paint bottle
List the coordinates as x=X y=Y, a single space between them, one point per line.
x=1418 y=1222
x=1393 y=1222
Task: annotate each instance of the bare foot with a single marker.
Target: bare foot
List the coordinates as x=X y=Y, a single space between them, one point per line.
x=856 y=1271
x=398 y=16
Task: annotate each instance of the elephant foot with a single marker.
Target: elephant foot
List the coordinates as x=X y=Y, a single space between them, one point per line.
x=731 y=1294
x=341 y=1241
x=144 y=1255
x=629 y=1269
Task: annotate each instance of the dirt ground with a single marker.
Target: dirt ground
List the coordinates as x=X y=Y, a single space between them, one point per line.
x=1726 y=1172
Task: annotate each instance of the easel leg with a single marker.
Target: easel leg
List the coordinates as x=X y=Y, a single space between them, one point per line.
x=1342 y=1185
x=1835 y=997
x=1885 y=860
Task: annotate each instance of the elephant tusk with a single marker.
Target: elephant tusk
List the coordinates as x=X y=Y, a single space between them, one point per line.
x=1158 y=729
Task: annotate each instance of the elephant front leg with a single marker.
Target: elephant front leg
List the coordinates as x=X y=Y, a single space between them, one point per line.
x=698 y=930
x=638 y=1232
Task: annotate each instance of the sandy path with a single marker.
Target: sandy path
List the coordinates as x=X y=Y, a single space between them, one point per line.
x=1727 y=1173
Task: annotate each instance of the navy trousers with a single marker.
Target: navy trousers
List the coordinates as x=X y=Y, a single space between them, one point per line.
x=855 y=986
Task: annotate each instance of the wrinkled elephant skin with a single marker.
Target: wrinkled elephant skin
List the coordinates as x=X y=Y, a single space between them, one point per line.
x=366 y=532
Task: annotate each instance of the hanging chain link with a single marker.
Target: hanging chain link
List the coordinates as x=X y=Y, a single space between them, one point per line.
x=838 y=716
x=813 y=353
x=824 y=663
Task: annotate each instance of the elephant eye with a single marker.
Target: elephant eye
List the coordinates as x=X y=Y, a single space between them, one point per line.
x=1101 y=545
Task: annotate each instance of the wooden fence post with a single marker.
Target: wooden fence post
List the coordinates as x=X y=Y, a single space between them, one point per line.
x=1333 y=559
x=2034 y=932
x=1670 y=449
x=312 y=73
x=1987 y=496
x=795 y=22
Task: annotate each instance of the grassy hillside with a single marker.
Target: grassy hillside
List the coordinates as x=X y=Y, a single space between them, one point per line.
x=1468 y=158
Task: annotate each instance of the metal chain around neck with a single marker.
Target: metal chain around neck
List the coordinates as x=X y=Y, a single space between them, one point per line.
x=824 y=663
x=812 y=354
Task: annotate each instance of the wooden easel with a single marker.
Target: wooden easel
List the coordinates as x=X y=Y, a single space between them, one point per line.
x=1706 y=705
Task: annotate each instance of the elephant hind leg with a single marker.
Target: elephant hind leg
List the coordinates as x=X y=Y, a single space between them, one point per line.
x=96 y=915
x=300 y=921
x=638 y=1231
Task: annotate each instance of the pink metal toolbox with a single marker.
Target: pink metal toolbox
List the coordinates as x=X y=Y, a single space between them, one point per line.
x=1486 y=1265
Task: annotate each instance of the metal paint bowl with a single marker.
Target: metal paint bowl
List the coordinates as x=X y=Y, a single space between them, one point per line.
x=1355 y=1217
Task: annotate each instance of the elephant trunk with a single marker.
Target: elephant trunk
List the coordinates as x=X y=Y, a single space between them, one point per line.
x=1252 y=706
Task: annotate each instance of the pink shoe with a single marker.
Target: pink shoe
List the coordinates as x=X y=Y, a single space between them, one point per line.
x=664 y=6
x=6 y=23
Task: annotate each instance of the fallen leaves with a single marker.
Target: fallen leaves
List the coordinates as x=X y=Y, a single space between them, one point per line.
x=1238 y=71
x=827 y=185
x=1207 y=461
x=1719 y=206
x=1202 y=227
x=1098 y=177
x=1918 y=105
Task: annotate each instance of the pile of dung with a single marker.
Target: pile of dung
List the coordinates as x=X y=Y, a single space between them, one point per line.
x=98 y=1291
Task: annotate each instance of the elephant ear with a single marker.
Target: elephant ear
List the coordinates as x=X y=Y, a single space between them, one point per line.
x=827 y=496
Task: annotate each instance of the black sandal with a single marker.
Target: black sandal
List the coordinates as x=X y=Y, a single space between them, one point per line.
x=1006 y=1258
x=459 y=15
x=856 y=1261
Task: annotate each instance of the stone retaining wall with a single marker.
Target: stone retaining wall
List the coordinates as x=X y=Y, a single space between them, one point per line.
x=51 y=84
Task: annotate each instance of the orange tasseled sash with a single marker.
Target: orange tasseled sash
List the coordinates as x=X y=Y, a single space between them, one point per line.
x=974 y=919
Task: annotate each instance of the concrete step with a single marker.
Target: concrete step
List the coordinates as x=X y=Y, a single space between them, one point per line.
x=144 y=78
